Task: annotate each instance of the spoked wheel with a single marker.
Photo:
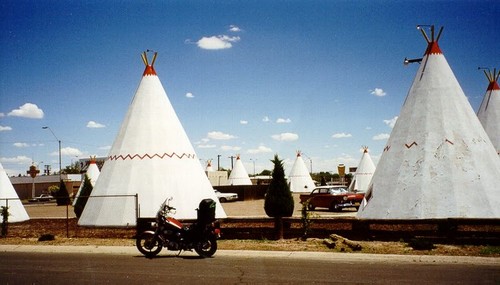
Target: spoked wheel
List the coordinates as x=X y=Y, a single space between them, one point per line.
x=148 y=244
x=206 y=248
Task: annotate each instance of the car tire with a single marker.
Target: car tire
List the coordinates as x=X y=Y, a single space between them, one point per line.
x=222 y=200
x=335 y=207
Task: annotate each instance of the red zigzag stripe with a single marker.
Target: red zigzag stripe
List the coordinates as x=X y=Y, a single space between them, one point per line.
x=410 y=145
x=129 y=156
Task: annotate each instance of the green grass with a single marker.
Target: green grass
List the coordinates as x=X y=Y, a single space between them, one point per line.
x=489 y=250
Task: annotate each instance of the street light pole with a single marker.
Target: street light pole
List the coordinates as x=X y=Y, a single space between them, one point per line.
x=253 y=160
x=59 y=141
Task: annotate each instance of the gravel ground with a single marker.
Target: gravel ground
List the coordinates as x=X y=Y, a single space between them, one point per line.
x=251 y=208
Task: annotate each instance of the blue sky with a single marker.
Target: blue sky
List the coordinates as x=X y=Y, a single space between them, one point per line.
x=245 y=77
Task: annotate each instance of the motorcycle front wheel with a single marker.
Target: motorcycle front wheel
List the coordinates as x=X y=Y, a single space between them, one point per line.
x=206 y=248
x=148 y=244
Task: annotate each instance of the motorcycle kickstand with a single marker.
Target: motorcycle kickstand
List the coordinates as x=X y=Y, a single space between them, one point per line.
x=179 y=253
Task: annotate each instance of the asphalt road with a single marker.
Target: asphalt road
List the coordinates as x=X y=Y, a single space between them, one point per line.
x=88 y=266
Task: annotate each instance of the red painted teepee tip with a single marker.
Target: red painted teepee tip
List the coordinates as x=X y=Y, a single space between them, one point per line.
x=149 y=70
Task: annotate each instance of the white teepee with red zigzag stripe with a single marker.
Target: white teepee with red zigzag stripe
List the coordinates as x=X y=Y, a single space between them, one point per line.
x=151 y=156
x=438 y=161
x=489 y=111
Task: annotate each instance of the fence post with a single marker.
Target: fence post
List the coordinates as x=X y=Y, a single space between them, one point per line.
x=136 y=208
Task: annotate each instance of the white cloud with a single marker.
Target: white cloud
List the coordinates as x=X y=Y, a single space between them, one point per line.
x=378 y=92
x=243 y=122
x=5 y=128
x=234 y=28
x=217 y=42
x=341 y=135
x=230 y=148
x=391 y=122
x=68 y=151
x=381 y=137
x=207 y=146
x=265 y=119
x=19 y=144
x=283 y=121
x=2 y=115
x=95 y=125
x=27 y=110
x=189 y=95
x=288 y=137
x=106 y=147
x=17 y=160
x=260 y=149
x=215 y=135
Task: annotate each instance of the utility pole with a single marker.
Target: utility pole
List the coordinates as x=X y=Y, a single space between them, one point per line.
x=231 y=157
x=218 y=162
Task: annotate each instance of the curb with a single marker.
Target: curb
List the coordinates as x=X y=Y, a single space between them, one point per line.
x=331 y=256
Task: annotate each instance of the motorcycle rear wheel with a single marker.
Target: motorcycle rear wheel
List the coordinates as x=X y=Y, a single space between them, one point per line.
x=206 y=248
x=148 y=244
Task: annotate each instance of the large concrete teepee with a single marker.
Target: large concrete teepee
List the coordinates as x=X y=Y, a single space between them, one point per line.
x=9 y=198
x=489 y=111
x=438 y=161
x=299 y=178
x=364 y=173
x=239 y=175
x=151 y=157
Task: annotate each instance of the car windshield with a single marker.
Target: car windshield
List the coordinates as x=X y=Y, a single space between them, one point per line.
x=337 y=190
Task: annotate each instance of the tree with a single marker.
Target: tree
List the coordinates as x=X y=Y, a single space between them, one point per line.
x=81 y=200
x=279 y=200
x=5 y=220
x=74 y=168
x=266 y=172
x=62 y=196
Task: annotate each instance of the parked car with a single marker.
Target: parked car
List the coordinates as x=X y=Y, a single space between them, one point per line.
x=226 y=197
x=42 y=198
x=335 y=198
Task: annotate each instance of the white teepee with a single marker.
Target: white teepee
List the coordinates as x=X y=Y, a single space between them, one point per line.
x=151 y=157
x=92 y=173
x=9 y=198
x=209 y=167
x=299 y=178
x=364 y=173
x=438 y=161
x=489 y=111
x=239 y=175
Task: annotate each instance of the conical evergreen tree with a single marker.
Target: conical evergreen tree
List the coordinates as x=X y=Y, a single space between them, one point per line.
x=62 y=196
x=279 y=200
x=84 y=196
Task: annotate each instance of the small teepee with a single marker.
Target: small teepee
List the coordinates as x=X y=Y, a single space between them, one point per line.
x=299 y=178
x=92 y=173
x=364 y=173
x=489 y=111
x=9 y=198
x=151 y=157
x=239 y=175
x=209 y=167
x=438 y=161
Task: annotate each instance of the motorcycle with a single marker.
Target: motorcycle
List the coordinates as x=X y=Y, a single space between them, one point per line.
x=173 y=235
